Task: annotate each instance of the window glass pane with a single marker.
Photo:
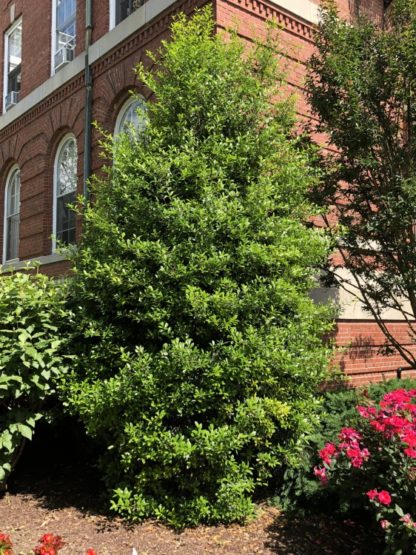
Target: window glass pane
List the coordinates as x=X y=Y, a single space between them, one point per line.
x=65 y=23
x=12 y=248
x=126 y=7
x=14 y=59
x=67 y=169
x=65 y=219
x=15 y=48
x=133 y=115
x=13 y=216
x=13 y=197
x=65 y=191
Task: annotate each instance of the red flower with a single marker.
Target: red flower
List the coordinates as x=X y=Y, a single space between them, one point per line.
x=377 y=425
x=49 y=545
x=327 y=452
x=44 y=550
x=90 y=552
x=384 y=497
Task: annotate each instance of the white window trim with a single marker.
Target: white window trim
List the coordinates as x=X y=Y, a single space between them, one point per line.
x=55 y=181
x=10 y=173
x=6 y=57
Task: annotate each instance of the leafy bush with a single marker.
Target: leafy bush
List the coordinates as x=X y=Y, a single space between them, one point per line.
x=203 y=349
x=372 y=466
x=31 y=308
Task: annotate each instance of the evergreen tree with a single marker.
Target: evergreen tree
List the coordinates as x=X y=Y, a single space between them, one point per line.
x=202 y=348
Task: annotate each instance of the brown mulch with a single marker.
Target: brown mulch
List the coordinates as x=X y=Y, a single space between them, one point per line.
x=26 y=515
x=65 y=499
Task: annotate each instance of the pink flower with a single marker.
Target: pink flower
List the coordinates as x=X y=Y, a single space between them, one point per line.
x=410 y=452
x=396 y=398
x=385 y=523
x=327 y=452
x=349 y=435
x=407 y=519
x=409 y=437
x=377 y=425
x=384 y=497
x=366 y=412
x=372 y=494
x=320 y=472
x=397 y=422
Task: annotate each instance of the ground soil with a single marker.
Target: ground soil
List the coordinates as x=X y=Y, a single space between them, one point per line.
x=64 y=498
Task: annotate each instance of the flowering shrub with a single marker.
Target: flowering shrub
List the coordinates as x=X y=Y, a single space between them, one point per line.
x=49 y=544
x=374 y=466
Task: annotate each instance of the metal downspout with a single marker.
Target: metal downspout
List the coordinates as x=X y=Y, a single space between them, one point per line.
x=88 y=98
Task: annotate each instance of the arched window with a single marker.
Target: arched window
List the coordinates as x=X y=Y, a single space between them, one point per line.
x=12 y=216
x=65 y=190
x=131 y=116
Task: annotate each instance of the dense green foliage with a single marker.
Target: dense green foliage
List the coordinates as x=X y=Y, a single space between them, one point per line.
x=301 y=490
x=31 y=361
x=201 y=348
x=362 y=88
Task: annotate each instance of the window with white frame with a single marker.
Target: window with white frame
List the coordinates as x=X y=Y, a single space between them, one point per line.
x=65 y=187
x=11 y=216
x=132 y=116
x=12 y=65
x=63 y=32
x=120 y=9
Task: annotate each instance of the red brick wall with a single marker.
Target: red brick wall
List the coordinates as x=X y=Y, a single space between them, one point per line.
x=361 y=346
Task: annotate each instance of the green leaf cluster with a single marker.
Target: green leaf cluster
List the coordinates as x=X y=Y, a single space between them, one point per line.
x=31 y=361
x=362 y=88
x=201 y=349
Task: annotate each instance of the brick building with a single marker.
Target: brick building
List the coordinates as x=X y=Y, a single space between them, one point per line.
x=66 y=63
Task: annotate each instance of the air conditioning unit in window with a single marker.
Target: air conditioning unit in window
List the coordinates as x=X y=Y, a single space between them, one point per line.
x=11 y=99
x=63 y=56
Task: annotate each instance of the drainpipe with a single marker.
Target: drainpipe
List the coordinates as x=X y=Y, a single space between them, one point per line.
x=88 y=98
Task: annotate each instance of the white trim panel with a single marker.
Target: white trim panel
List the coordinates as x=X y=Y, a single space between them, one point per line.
x=307 y=10
x=127 y=27
x=349 y=305
x=42 y=260
x=48 y=87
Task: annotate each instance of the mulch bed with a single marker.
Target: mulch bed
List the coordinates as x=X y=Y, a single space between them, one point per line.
x=64 y=498
x=56 y=505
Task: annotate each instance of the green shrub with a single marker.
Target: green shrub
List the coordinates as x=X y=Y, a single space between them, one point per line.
x=299 y=489
x=201 y=349
x=31 y=311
